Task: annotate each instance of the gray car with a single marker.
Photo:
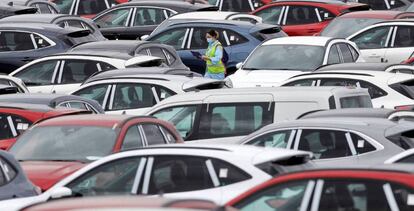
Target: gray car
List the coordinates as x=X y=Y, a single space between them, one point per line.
x=13 y=183
x=338 y=140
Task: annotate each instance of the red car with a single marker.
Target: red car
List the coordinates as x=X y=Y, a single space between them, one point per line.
x=347 y=24
x=333 y=189
x=409 y=61
x=15 y=118
x=57 y=147
x=300 y=18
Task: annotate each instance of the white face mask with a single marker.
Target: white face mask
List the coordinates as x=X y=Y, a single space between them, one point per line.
x=209 y=40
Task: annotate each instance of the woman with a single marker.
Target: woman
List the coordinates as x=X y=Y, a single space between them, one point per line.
x=214 y=65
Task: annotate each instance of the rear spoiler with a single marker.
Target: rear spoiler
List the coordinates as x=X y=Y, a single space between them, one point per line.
x=203 y=84
x=76 y=32
x=144 y=61
x=264 y=33
x=356 y=7
x=208 y=8
x=30 y=10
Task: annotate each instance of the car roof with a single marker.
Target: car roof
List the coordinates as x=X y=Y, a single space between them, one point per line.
x=211 y=15
x=246 y=24
x=351 y=112
x=374 y=14
x=39 y=18
x=98 y=53
x=302 y=40
x=37 y=27
x=356 y=66
x=128 y=46
x=397 y=21
x=26 y=106
x=49 y=100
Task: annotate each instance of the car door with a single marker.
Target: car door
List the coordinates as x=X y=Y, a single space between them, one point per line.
x=40 y=77
x=114 y=23
x=402 y=46
x=305 y=20
x=145 y=20
x=373 y=43
x=98 y=92
x=72 y=73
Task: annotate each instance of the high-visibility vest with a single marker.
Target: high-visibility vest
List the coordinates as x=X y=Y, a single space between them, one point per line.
x=214 y=68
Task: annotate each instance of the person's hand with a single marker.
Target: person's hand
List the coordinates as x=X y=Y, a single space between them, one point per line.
x=205 y=58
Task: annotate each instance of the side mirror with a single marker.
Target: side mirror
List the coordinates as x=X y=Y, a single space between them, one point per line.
x=60 y=192
x=239 y=65
x=144 y=37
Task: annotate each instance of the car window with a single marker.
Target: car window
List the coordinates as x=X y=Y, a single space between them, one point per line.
x=394 y=4
x=407 y=159
x=372 y=38
x=76 y=24
x=96 y=92
x=227 y=173
x=114 y=18
x=181 y=117
x=303 y=82
x=132 y=96
x=375 y=5
x=233 y=37
x=173 y=37
x=163 y=92
x=404 y=37
x=361 y=101
x=168 y=135
x=153 y=134
x=170 y=57
x=236 y=6
x=158 y=52
x=42 y=8
x=301 y=15
x=222 y=120
x=38 y=74
x=132 y=139
x=270 y=15
x=172 y=174
x=105 y=66
x=278 y=139
x=77 y=71
x=324 y=143
x=116 y=177
x=12 y=125
x=9 y=172
x=148 y=16
x=78 y=105
x=355 y=54
x=333 y=57
x=286 y=196
x=198 y=40
x=15 y=41
x=324 y=14
x=91 y=7
x=40 y=42
x=346 y=53
x=361 y=145
x=373 y=90
x=143 y=51
x=64 y=5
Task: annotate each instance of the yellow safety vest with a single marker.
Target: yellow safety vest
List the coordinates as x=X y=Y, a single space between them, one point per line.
x=214 y=68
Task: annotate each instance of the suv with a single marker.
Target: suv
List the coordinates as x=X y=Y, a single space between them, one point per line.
x=237 y=112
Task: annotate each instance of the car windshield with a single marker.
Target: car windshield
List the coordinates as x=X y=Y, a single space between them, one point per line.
x=63 y=5
x=411 y=8
x=68 y=143
x=285 y=57
x=344 y=27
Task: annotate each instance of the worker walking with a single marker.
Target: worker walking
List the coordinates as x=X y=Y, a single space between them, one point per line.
x=215 y=68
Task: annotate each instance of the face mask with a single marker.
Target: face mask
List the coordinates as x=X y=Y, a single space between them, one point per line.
x=209 y=40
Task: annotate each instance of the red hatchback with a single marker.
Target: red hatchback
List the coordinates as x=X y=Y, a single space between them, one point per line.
x=57 y=147
x=301 y=18
x=15 y=118
x=333 y=190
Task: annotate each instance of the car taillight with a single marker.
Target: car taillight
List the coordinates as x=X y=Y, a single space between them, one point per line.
x=404 y=108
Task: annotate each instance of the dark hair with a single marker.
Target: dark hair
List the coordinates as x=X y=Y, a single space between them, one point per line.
x=213 y=33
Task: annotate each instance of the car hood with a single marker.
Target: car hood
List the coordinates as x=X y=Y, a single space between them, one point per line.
x=46 y=173
x=264 y=78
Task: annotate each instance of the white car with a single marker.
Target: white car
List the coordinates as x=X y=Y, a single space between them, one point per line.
x=62 y=73
x=14 y=82
x=406 y=157
x=278 y=59
x=217 y=173
x=388 y=85
x=390 y=41
x=136 y=90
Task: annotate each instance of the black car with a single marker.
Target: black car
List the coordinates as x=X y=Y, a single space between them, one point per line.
x=24 y=42
x=62 y=20
x=54 y=101
x=14 y=182
x=43 y=6
x=11 y=9
x=133 y=47
x=130 y=21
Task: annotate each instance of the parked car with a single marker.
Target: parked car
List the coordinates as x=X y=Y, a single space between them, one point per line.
x=54 y=101
x=15 y=118
x=86 y=9
x=14 y=183
x=400 y=5
x=102 y=203
x=410 y=61
x=238 y=38
x=276 y=60
x=62 y=20
x=133 y=92
x=349 y=23
x=388 y=89
x=238 y=112
x=209 y=172
x=81 y=139
x=43 y=6
x=13 y=82
x=301 y=18
x=389 y=41
x=406 y=157
x=7 y=89
x=63 y=73
x=10 y=9
x=335 y=188
x=133 y=48
x=132 y=20
x=24 y=42
x=217 y=15
x=339 y=140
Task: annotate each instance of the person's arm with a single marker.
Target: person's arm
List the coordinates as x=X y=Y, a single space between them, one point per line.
x=218 y=55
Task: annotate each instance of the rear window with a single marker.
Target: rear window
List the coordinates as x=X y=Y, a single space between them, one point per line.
x=405 y=88
x=363 y=101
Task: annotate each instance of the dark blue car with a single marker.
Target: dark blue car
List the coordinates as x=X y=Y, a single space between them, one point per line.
x=24 y=42
x=239 y=38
